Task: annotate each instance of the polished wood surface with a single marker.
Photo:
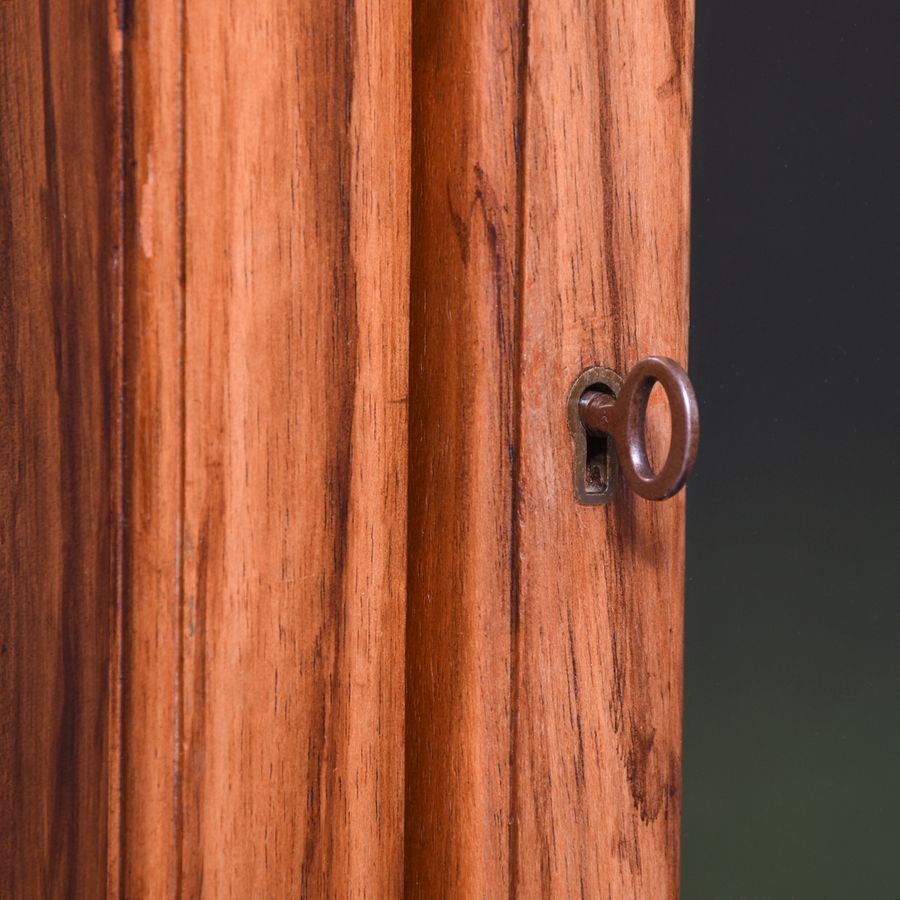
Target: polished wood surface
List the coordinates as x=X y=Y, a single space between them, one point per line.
x=551 y=152
x=296 y=202
x=205 y=281
x=153 y=617
x=239 y=242
x=462 y=441
x=598 y=675
x=60 y=439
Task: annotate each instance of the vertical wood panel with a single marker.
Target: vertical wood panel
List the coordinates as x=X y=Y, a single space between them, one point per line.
x=544 y=638
x=597 y=761
x=296 y=299
x=154 y=435
x=462 y=444
x=60 y=263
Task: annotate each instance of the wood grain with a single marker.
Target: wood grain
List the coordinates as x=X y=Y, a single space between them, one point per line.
x=60 y=437
x=206 y=226
x=462 y=446
x=598 y=679
x=154 y=452
x=544 y=638
x=296 y=309
x=206 y=216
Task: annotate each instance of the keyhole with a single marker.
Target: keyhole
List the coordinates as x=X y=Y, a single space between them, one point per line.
x=595 y=463
x=597 y=474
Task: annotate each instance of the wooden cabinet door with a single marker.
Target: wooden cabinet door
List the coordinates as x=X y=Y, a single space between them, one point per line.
x=550 y=233
x=297 y=597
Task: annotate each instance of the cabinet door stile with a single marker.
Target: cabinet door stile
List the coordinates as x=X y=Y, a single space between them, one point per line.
x=550 y=210
x=597 y=762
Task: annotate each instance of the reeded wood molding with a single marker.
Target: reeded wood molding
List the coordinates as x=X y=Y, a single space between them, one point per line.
x=205 y=281
x=153 y=619
x=296 y=267
x=60 y=446
x=462 y=441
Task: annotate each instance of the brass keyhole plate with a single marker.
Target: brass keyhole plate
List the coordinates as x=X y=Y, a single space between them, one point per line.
x=595 y=467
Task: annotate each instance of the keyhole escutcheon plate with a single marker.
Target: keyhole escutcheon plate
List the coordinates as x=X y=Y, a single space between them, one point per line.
x=595 y=466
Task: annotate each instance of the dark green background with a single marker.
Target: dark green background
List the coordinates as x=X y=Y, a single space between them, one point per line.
x=792 y=721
